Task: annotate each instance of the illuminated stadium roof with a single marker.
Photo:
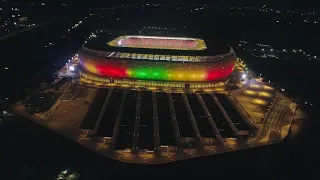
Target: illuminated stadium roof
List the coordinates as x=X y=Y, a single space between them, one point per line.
x=156 y=42
x=158 y=45
x=131 y=57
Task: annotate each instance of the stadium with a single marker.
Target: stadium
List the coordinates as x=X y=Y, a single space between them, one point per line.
x=133 y=104
x=156 y=61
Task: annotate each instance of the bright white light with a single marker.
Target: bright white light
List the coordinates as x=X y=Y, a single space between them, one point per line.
x=162 y=37
x=119 y=43
x=111 y=54
x=271 y=49
x=71 y=68
x=244 y=76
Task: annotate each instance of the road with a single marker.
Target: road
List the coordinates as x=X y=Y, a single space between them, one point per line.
x=29 y=28
x=275 y=120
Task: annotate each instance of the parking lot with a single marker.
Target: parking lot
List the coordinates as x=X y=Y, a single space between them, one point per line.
x=68 y=116
x=111 y=114
x=146 y=135
x=183 y=119
x=126 y=130
x=41 y=102
x=234 y=115
x=93 y=114
x=201 y=118
x=218 y=117
x=76 y=92
x=255 y=100
x=167 y=137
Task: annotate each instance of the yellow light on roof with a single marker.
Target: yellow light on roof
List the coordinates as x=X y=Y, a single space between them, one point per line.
x=250 y=92
x=265 y=94
x=259 y=101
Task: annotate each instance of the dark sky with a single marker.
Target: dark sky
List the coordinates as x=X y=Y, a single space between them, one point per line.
x=313 y=4
x=301 y=4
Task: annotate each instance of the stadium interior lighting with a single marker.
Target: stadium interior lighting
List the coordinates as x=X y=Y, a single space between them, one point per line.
x=156 y=42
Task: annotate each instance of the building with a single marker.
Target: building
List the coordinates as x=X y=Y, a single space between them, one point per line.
x=156 y=61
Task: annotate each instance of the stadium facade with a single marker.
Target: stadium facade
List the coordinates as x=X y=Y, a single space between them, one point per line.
x=156 y=61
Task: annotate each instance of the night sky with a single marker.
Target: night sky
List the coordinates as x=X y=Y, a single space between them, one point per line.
x=280 y=4
x=305 y=4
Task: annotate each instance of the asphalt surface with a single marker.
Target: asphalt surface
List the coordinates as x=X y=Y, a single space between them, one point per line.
x=275 y=119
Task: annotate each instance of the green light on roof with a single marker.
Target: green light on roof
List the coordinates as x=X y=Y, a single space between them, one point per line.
x=158 y=73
